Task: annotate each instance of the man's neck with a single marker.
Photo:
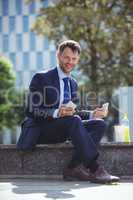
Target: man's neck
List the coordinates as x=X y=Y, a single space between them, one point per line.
x=61 y=73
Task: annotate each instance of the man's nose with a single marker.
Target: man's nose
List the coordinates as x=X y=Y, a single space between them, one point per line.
x=70 y=60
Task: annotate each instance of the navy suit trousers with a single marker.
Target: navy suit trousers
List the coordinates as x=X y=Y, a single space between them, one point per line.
x=85 y=135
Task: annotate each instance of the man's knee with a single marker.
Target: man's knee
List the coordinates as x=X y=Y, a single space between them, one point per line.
x=101 y=123
x=74 y=119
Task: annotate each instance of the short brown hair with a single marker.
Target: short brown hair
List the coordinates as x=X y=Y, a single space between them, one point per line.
x=73 y=45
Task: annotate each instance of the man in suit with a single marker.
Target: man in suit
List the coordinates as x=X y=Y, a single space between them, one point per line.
x=51 y=120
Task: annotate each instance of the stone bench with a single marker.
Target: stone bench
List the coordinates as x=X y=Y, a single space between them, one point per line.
x=49 y=160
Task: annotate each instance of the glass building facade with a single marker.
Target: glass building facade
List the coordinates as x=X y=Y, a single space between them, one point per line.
x=30 y=53
x=27 y=51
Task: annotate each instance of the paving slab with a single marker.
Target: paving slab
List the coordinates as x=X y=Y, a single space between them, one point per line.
x=40 y=189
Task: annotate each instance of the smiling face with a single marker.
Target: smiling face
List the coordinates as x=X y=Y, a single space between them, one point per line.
x=68 y=59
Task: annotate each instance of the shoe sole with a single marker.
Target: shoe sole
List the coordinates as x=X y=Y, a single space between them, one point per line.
x=73 y=179
x=92 y=181
x=105 y=182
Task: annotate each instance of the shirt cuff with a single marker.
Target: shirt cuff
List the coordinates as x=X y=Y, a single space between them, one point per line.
x=91 y=115
x=55 y=114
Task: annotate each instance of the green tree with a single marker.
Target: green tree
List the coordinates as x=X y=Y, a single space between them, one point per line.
x=10 y=110
x=104 y=29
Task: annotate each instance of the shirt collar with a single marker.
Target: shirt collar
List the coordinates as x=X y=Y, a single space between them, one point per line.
x=61 y=73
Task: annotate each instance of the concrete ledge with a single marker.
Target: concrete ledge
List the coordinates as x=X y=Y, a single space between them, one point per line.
x=49 y=160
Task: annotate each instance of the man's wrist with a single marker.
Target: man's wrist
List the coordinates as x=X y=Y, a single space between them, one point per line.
x=55 y=114
x=91 y=114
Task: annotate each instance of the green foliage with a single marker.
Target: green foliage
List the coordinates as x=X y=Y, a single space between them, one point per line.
x=104 y=29
x=6 y=75
x=10 y=110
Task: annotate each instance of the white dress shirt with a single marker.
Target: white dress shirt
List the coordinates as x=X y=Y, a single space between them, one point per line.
x=61 y=75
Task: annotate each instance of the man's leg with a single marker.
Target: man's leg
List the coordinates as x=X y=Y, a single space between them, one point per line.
x=99 y=175
x=96 y=127
x=52 y=132
x=60 y=129
x=95 y=130
x=72 y=127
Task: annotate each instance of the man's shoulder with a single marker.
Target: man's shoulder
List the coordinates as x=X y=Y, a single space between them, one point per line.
x=46 y=72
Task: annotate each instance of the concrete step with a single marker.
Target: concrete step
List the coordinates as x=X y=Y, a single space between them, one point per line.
x=50 y=160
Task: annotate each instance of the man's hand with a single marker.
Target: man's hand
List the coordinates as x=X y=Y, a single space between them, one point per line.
x=65 y=111
x=100 y=113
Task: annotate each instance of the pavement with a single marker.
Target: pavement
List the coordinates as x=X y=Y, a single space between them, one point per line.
x=40 y=189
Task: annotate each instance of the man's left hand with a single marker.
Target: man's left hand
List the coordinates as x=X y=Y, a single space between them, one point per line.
x=100 y=113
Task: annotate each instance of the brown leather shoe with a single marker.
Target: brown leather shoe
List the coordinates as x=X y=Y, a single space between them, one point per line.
x=102 y=176
x=76 y=174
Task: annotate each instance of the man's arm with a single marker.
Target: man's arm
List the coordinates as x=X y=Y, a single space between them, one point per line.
x=84 y=114
x=36 y=106
x=97 y=113
x=87 y=114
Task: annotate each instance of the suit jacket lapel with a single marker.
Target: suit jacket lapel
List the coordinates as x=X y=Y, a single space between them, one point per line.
x=73 y=91
x=56 y=84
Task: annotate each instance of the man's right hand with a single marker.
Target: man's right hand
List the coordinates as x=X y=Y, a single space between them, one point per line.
x=65 y=111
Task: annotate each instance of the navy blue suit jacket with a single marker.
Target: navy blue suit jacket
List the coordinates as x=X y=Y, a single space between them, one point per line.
x=43 y=99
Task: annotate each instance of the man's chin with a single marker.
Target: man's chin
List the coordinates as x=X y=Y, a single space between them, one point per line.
x=68 y=69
